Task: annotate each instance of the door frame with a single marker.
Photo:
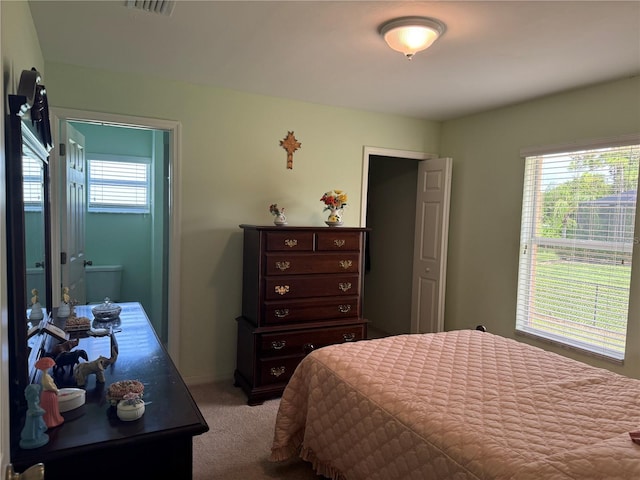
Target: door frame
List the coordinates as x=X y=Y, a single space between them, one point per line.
x=367 y=152
x=59 y=114
x=4 y=303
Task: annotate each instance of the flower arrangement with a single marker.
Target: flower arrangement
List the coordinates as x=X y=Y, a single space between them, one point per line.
x=132 y=398
x=334 y=199
x=275 y=210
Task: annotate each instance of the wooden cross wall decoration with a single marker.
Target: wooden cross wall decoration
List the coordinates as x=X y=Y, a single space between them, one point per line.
x=290 y=144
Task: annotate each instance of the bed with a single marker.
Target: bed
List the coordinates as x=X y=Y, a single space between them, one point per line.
x=462 y=404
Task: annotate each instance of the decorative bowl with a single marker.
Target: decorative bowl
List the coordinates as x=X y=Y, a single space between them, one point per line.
x=127 y=412
x=106 y=311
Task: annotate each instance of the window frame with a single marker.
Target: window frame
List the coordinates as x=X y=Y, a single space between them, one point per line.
x=528 y=238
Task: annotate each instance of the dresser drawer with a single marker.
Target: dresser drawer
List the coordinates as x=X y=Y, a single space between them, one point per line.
x=289 y=241
x=333 y=239
x=283 y=312
x=299 y=263
x=299 y=286
x=305 y=341
x=278 y=369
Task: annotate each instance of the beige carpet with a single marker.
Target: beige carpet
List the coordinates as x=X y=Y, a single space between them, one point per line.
x=238 y=443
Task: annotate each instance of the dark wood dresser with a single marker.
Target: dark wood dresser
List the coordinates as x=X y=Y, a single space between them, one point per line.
x=302 y=290
x=93 y=443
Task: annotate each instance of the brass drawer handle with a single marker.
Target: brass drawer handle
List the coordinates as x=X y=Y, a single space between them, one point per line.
x=349 y=337
x=308 y=347
x=282 y=289
x=344 y=308
x=291 y=242
x=345 y=263
x=282 y=313
x=282 y=266
x=278 y=344
x=277 y=371
x=339 y=243
x=344 y=286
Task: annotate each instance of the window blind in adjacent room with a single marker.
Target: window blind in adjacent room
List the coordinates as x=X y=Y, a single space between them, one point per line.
x=118 y=186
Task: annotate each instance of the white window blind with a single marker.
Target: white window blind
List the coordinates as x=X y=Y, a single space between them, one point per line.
x=577 y=234
x=33 y=180
x=118 y=186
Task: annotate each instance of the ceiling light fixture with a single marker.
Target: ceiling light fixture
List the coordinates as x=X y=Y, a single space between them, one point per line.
x=409 y=35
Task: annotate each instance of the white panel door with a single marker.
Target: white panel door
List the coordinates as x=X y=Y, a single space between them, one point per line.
x=72 y=231
x=430 y=245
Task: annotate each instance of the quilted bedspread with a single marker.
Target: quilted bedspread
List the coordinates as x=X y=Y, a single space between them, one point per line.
x=457 y=405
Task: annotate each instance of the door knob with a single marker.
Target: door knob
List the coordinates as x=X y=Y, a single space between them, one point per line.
x=87 y=262
x=35 y=472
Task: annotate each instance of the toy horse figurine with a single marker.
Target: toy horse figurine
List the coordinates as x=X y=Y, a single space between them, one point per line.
x=64 y=347
x=65 y=359
x=95 y=367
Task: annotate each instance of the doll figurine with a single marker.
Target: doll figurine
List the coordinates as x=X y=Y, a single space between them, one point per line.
x=64 y=310
x=36 y=308
x=32 y=435
x=49 y=398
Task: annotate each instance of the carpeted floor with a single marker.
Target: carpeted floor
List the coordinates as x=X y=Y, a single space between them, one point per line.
x=238 y=443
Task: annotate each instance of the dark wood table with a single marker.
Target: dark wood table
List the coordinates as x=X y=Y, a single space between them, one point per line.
x=93 y=443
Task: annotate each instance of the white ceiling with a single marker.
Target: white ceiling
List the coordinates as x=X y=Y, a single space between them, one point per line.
x=329 y=52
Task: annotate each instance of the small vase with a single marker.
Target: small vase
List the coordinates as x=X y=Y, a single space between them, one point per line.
x=63 y=310
x=280 y=219
x=36 y=312
x=127 y=412
x=335 y=217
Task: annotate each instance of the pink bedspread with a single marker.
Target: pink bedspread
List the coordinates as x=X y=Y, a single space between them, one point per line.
x=457 y=405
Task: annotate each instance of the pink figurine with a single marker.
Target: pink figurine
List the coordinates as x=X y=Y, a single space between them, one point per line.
x=49 y=396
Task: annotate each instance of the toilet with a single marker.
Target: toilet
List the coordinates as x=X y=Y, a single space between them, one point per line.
x=103 y=281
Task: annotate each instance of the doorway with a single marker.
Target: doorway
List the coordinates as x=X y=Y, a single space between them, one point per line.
x=391 y=214
x=406 y=199
x=161 y=272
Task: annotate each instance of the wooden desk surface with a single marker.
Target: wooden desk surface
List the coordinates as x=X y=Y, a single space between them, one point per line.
x=170 y=410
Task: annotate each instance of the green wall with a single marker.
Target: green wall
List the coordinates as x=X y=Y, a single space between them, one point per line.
x=134 y=241
x=486 y=201
x=122 y=238
x=232 y=168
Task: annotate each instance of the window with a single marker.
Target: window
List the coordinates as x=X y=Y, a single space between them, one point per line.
x=577 y=235
x=118 y=184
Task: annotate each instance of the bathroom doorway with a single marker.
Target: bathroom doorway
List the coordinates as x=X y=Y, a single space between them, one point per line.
x=138 y=245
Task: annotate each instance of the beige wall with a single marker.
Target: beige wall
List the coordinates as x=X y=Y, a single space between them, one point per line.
x=487 y=197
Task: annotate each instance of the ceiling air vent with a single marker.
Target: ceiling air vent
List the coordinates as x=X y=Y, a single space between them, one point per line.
x=163 y=7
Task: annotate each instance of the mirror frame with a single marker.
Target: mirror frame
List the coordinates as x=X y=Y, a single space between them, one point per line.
x=30 y=105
